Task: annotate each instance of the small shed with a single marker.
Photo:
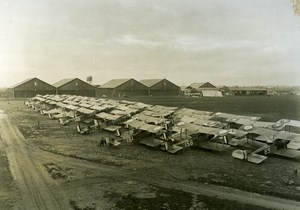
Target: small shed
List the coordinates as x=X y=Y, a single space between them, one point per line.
x=75 y=86
x=161 y=87
x=30 y=88
x=122 y=87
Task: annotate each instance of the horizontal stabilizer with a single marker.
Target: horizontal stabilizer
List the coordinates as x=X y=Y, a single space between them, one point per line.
x=174 y=148
x=255 y=158
x=293 y=145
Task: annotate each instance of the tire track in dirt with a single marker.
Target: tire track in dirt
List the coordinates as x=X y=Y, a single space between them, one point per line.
x=227 y=194
x=35 y=192
x=220 y=192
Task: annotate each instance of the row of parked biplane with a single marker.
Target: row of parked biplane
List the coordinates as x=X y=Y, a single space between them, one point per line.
x=171 y=128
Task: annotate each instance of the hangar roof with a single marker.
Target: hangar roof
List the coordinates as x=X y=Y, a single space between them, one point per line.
x=114 y=83
x=28 y=80
x=150 y=82
x=63 y=82
x=21 y=83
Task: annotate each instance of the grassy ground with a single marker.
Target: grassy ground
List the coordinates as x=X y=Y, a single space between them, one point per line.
x=270 y=108
x=164 y=198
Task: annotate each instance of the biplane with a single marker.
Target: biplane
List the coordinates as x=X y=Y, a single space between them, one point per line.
x=252 y=150
x=85 y=115
x=109 y=119
x=151 y=135
x=116 y=129
x=286 y=144
x=83 y=130
x=36 y=103
x=70 y=115
x=280 y=143
x=210 y=138
x=234 y=121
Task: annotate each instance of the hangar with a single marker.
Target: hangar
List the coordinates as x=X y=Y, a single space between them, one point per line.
x=30 y=88
x=161 y=87
x=74 y=86
x=122 y=87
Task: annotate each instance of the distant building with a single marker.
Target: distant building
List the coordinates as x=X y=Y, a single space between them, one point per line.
x=188 y=91
x=184 y=91
x=161 y=87
x=3 y=93
x=75 y=86
x=282 y=91
x=206 y=89
x=248 y=91
x=225 y=91
x=122 y=87
x=272 y=92
x=30 y=88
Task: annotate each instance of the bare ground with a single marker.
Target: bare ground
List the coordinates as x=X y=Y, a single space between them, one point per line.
x=9 y=193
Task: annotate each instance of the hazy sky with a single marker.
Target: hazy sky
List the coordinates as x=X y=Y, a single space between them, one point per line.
x=232 y=42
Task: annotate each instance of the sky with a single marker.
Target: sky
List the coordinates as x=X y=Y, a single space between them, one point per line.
x=232 y=42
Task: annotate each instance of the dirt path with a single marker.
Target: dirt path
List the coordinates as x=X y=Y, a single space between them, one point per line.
x=35 y=192
x=229 y=194
x=221 y=192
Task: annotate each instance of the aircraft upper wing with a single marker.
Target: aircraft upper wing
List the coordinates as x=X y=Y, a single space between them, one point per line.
x=294 y=123
x=85 y=111
x=151 y=128
x=134 y=123
x=288 y=136
x=188 y=126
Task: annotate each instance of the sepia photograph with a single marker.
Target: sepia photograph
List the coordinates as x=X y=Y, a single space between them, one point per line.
x=149 y=104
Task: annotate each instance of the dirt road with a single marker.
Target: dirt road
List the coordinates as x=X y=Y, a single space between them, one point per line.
x=39 y=192
x=163 y=180
x=35 y=191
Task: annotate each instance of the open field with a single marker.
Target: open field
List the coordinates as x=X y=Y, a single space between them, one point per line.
x=270 y=108
x=136 y=177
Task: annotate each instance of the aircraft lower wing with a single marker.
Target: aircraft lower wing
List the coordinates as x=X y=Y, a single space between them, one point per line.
x=112 y=128
x=213 y=146
x=289 y=153
x=293 y=145
x=252 y=157
x=151 y=142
